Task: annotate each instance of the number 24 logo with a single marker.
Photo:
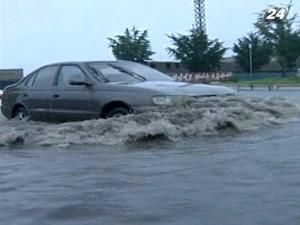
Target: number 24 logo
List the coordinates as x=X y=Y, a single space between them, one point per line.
x=276 y=13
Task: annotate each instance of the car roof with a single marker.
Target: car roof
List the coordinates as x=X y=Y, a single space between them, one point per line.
x=78 y=63
x=83 y=62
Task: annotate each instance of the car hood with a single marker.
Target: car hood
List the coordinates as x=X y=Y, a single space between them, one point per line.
x=181 y=88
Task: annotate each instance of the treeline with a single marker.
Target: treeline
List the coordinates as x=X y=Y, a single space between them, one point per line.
x=278 y=39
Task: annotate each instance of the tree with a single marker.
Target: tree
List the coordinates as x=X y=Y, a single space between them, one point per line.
x=284 y=39
x=133 y=45
x=261 y=52
x=196 y=51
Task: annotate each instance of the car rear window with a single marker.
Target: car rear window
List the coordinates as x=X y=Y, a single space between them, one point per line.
x=29 y=81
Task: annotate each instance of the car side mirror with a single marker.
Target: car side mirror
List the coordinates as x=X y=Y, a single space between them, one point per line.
x=80 y=83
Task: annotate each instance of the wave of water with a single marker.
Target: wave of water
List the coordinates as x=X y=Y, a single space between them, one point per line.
x=207 y=116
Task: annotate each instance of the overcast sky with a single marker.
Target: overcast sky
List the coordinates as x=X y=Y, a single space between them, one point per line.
x=37 y=32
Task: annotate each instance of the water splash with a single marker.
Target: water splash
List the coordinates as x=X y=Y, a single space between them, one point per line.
x=207 y=116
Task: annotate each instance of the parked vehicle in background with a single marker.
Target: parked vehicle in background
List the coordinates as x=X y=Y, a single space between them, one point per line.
x=298 y=72
x=86 y=90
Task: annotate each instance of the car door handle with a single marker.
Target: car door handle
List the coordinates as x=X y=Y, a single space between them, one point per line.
x=25 y=95
x=56 y=96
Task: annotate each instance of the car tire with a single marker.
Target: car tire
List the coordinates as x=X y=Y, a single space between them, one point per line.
x=117 y=112
x=21 y=114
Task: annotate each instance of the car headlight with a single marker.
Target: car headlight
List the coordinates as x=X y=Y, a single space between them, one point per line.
x=169 y=100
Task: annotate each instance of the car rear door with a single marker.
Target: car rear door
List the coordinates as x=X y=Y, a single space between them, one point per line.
x=72 y=102
x=38 y=92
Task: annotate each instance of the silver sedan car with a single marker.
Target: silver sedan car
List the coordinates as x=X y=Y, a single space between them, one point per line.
x=86 y=90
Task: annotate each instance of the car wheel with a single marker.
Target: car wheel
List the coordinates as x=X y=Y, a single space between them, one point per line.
x=21 y=114
x=117 y=112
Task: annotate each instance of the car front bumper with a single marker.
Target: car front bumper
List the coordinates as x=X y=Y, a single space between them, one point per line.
x=143 y=109
x=5 y=111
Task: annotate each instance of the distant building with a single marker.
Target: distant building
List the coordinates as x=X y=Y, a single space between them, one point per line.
x=227 y=65
x=168 y=67
x=10 y=76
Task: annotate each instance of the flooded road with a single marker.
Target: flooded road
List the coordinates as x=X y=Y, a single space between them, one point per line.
x=218 y=161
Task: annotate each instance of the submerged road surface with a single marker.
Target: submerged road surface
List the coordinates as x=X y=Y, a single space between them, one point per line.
x=221 y=161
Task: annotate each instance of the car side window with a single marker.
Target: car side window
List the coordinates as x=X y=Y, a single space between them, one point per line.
x=45 y=77
x=68 y=73
x=29 y=81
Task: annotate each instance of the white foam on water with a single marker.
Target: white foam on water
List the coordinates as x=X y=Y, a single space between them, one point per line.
x=207 y=116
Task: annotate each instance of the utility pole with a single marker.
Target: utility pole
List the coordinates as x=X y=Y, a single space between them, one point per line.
x=200 y=19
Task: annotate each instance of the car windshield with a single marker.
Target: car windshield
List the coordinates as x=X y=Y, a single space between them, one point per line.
x=126 y=72
x=111 y=73
x=146 y=72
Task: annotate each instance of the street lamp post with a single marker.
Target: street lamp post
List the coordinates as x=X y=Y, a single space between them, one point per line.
x=251 y=65
x=250 y=59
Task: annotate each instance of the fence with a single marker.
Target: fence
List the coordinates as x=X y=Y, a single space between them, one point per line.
x=259 y=75
x=201 y=77
x=210 y=77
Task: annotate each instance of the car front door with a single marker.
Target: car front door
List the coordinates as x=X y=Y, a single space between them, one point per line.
x=38 y=92
x=72 y=101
